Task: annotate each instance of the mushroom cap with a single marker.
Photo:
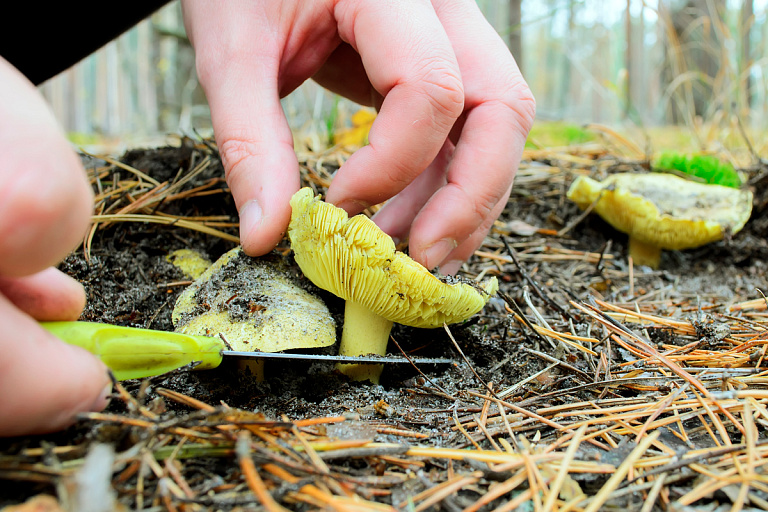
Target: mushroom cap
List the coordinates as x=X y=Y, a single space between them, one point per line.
x=355 y=260
x=256 y=304
x=189 y=261
x=664 y=210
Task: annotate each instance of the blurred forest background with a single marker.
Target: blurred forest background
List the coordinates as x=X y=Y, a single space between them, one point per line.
x=632 y=64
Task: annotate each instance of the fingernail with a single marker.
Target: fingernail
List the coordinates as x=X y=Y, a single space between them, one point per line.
x=436 y=253
x=450 y=268
x=250 y=218
x=103 y=399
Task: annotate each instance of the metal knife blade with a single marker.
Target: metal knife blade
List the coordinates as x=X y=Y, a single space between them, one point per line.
x=341 y=359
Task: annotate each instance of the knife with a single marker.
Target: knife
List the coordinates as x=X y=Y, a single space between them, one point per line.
x=135 y=353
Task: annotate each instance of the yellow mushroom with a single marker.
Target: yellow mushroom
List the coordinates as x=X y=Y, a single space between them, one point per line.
x=189 y=261
x=355 y=260
x=663 y=211
x=256 y=304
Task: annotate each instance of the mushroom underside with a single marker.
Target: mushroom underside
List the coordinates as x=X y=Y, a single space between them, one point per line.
x=660 y=211
x=355 y=260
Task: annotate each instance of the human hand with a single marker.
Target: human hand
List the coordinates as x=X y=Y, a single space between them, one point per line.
x=45 y=204
x=454 y=113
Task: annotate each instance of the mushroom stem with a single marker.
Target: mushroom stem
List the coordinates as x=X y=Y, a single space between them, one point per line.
x=364 y=333
x=253 y=366
x=644 y=253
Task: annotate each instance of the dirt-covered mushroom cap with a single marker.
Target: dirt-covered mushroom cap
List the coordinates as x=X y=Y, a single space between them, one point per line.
x=357 y=261
x=256 y=304
x=663 y=211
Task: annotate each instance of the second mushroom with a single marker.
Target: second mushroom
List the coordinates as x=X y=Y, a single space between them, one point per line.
x=355 y=260
x=662 y=211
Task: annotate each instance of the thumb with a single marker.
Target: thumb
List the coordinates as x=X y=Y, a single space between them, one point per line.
x=44 y=381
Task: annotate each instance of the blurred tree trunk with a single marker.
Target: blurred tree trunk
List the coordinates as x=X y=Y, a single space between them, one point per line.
x=568 y=91
x=692 y=55
x=628 y=61
x=516 y=31
x=553 y=83
x=601 y=63
x=747 y=19
x=638 y=92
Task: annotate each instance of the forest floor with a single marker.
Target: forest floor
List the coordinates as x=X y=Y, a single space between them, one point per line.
x=587 y=384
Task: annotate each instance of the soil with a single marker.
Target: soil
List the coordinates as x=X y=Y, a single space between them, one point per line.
x=130 y=282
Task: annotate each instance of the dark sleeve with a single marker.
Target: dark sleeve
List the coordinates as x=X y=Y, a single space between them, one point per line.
x=42 y=39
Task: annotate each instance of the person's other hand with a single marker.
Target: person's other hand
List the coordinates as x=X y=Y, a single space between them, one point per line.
x=454 y=113
x=45 y=204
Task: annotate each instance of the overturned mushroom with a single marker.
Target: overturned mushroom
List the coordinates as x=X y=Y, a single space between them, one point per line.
x=355 y=260
x=256 y=305
x=663 y=211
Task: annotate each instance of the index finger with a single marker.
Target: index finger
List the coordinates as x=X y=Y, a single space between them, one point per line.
x=410 y=61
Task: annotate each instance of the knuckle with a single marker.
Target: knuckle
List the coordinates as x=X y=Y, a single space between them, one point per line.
x=234 y=153
x=444 y=90
x=520 y=100
x=483 y=205
x=402 y=172
x=478 y=205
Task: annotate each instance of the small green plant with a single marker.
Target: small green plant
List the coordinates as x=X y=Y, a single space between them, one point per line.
x=330 y=120
x=706 y=167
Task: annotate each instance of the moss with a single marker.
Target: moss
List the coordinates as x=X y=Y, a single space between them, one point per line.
x=706 y=167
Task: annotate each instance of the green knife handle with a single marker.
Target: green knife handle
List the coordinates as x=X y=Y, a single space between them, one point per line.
x=134 y=353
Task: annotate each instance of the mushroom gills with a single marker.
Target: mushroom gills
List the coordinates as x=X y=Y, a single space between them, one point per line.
x=355 y=260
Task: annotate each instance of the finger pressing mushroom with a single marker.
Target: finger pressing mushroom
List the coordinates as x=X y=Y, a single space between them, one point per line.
x=357 y=261
x=256 y=305
x=663 y=211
